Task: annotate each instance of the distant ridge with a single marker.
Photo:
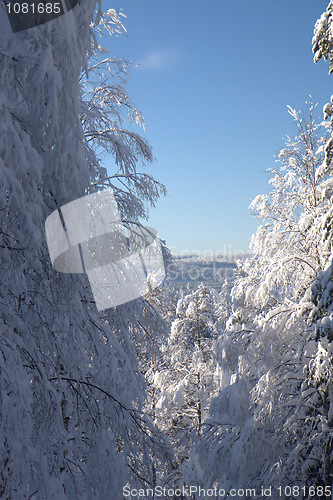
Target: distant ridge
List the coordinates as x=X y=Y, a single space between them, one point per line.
x=187 y=271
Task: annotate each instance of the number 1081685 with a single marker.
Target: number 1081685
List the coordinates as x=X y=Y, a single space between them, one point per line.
x=315 y=492
x=34 y=8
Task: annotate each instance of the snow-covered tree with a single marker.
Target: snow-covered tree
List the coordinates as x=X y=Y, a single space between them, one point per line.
x=71 y=394
x=269 y=424
x=288 y=245
x=186 y=380
x=150 y=331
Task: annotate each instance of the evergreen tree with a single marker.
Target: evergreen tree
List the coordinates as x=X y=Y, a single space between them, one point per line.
x=186 y=381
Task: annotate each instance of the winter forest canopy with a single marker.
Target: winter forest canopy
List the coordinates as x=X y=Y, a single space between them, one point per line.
x=201 y=393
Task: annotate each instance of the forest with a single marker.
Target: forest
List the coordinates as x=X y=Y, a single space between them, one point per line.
x=193 y=392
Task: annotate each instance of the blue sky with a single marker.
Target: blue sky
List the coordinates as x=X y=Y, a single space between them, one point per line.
x=213 y=82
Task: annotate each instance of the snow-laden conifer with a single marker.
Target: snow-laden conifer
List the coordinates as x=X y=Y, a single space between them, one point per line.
x=186 y=380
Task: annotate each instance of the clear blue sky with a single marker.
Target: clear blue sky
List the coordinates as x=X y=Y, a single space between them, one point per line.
x=214 y=81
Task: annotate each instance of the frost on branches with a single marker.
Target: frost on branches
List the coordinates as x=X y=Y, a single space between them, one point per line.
x=71 y=393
